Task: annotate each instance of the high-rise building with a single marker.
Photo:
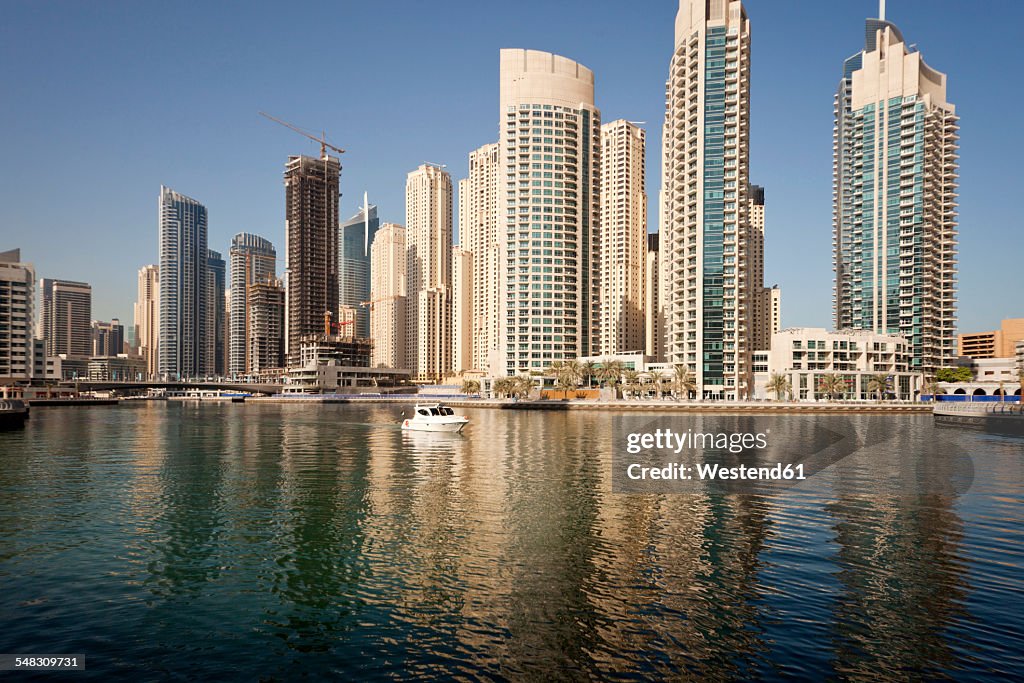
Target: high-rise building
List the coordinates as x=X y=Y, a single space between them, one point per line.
x=895 y=190
x=428 y=272
x=765 y=311
x=216 y=314
x=387 y=297
x=623 y=238
x=17 y=301
x=253 y=261
x=478 y=234
x=65 y=322
x=354 y=239
x=311 y=231
x=548 y=209
x=107 y=338
x=462 y=310
x=264 y=326
x=707 y=290
x=653 y=323
x=147 y=317
x=184 y=288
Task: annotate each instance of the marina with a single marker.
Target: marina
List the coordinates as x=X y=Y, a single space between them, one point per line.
x=308 y=538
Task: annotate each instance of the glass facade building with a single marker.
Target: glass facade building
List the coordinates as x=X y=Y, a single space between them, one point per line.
x=894 y=216
x=354 y=239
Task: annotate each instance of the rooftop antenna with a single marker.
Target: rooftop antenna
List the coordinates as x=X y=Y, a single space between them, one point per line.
x=881 y=9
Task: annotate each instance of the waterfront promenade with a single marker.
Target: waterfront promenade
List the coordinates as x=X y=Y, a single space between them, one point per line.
x=627 y=405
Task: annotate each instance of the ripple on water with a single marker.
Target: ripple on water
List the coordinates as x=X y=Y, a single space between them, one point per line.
x=310 y=539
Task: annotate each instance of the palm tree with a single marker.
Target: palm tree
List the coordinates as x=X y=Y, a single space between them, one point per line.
x=683 y=378
x=657 y=378
x=878 y=384
x=522 y=385
x=470 y=386
x=779 y=385
x=831 y=385
x=611 y=371
x=564 y=380
x=499 y=387
x=574 y=369
x=588 y=369
x=631 y=378
x=932 y=388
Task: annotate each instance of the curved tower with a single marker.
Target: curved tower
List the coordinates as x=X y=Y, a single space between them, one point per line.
x=549 y=206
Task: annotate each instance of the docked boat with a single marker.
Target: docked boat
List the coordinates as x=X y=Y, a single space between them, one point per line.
x=434 y=417
x=13 y=413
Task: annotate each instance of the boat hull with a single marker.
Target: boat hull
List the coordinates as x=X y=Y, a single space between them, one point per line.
x=447 y=427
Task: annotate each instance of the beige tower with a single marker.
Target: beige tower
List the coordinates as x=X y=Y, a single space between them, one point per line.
x=653 y=323
x=623 y=238
x=462 y=309
x=765 y=308
x=705 y=235
x=428 y=271
x=147 y=317
x=387 y=296
x=548 y=208
x=478 y=234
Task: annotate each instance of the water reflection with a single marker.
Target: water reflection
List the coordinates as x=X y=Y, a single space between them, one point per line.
x=323 y=538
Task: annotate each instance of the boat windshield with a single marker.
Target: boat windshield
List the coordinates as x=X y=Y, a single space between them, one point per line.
x=447 y=411
x=434 y=411
x=422 y=411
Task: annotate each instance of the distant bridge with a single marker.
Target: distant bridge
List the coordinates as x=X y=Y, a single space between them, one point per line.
x=108 y=385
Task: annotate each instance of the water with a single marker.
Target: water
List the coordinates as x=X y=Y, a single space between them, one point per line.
x=273 y=541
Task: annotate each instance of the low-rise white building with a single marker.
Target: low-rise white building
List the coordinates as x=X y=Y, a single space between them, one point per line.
x=804 y=355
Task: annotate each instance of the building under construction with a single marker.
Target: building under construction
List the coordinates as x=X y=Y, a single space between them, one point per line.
x=311 y=226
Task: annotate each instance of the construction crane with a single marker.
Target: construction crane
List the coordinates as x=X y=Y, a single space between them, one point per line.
x=371 y=302
x=329 y=225
x=324 y=145
x=329 y=326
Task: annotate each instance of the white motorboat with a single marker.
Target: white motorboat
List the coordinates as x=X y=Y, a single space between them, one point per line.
x=434 y=417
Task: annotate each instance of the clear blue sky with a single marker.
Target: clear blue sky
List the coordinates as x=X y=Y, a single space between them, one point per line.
x=102 y=102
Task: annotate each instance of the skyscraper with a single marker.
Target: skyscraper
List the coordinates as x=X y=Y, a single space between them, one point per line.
x=462 y=309
x=705 y=235
x=311 y=231
x=478 y=235
x=895 y=188
x=264 y=326
x=253 y=261
x=354 y=240
x=428 y=272
x=66 y=321
x=387 y=297
x=623 y=237
x=147 y=317
x=548 y=209
x=766 y=308
x=216 y=312
x=107 y=338
x=653 y=322
x=184 y=264
x=17 y=301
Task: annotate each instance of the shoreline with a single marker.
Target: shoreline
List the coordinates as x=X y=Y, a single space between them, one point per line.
x=628 y=406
